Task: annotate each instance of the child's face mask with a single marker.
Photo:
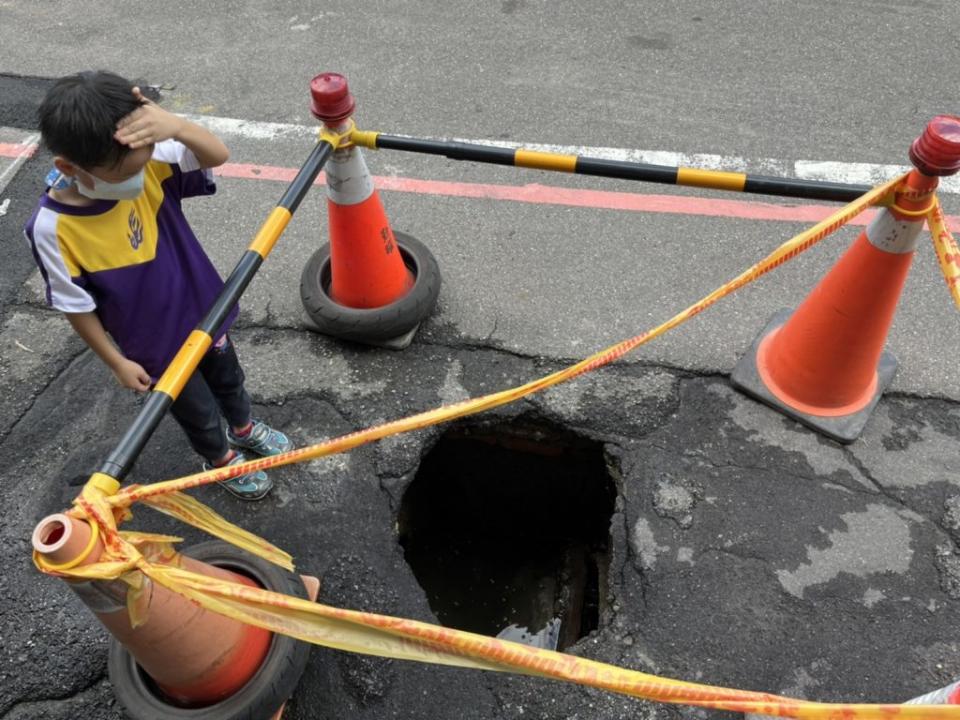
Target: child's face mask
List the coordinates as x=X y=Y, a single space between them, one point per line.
x=128 y=189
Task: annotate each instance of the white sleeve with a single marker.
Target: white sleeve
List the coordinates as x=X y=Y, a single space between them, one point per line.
x=62 y=292
x=192 y=180
x=176 y=153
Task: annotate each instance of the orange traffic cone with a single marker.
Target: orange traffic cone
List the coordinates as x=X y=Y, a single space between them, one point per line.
x=370 y=284
x=825 y=366
x=194 y=658
x=366 y=267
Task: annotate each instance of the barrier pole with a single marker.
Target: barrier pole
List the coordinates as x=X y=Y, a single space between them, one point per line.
x=621 y=169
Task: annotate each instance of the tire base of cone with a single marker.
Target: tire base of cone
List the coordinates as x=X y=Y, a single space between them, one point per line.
x=397 y=343
x=263 y=696
x=845 y=429
x=312 y=586
x=391 y=326
x=198 y=663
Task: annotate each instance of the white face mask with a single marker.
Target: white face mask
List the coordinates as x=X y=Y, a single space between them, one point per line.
x=128 y=189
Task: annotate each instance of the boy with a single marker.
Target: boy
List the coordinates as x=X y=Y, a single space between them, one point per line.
x=120 y=260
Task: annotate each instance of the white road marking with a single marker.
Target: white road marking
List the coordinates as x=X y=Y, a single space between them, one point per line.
x=29 y=145
x=841 y=172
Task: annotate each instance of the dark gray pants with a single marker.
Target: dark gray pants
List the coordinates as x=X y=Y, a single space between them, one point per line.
x=215 y=388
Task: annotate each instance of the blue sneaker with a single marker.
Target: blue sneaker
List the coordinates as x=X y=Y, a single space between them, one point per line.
x=262 y=440
x=252 y=486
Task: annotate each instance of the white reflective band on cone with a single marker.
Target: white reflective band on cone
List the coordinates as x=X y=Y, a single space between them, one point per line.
x=895 y=236
x=348 y=180
x=937 y=697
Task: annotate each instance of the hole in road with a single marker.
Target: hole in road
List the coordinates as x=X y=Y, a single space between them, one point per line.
x=507 y=531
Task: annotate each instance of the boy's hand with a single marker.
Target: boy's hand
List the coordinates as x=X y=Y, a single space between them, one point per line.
x=148 y=124
x=132 y=375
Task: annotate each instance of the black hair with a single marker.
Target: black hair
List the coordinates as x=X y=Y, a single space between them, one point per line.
x=79 y=115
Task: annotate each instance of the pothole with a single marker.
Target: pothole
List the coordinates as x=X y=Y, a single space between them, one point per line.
x=507 y=530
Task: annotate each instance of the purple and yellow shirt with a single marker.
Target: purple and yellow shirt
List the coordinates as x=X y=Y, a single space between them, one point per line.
x=136 y=263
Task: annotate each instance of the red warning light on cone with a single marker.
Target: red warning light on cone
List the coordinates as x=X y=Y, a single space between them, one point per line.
x=331 y=100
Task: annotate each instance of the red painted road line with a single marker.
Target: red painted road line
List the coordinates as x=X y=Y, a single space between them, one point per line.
x=551 y=195
x=15 y=150
x=601 y=199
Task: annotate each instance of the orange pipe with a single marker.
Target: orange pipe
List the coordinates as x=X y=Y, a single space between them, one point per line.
x=63 y=540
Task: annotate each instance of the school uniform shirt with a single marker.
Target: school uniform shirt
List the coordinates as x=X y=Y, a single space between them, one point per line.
x=136 y=263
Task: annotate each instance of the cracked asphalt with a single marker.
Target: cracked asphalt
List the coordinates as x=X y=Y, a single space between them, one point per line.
x=745 y=551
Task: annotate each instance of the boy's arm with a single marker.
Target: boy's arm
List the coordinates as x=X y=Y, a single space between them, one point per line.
x=209 y=149
x=150 y=123
x=128 y=373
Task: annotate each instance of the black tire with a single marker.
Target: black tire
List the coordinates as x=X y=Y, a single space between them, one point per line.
x=265 y=692
x=372 y=324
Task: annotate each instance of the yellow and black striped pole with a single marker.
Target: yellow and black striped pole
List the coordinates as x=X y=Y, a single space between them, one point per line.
x=118 y=464
x=622 y=169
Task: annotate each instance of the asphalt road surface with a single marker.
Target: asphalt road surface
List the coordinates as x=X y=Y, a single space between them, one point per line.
x=743 y=550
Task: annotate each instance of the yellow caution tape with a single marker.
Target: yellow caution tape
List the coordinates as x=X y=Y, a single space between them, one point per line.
x=948 y=255
x=195 y=513
x=403 y=639
x=141 y=558
x=787 y=251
